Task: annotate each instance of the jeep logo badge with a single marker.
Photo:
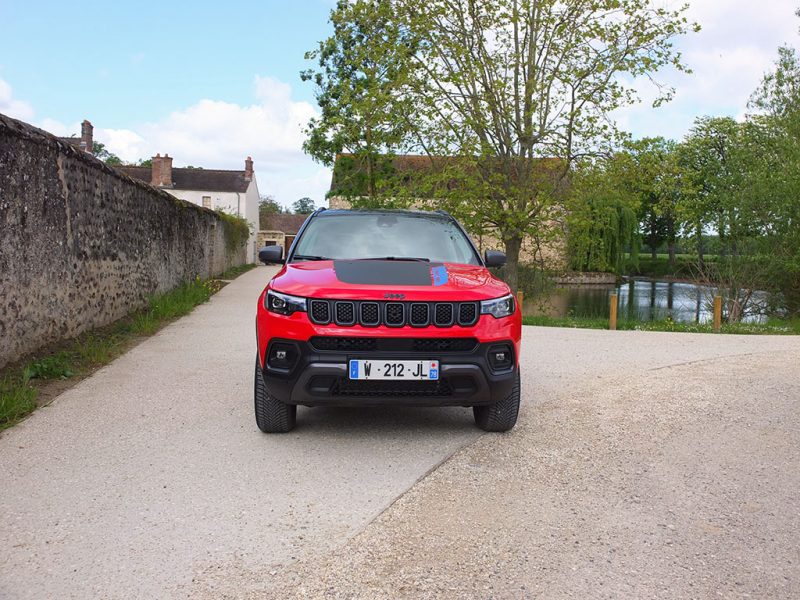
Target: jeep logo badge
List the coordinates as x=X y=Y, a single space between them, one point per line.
x=394 y=296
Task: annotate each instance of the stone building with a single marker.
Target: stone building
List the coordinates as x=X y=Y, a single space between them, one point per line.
x=280 y=230
x=402 y=173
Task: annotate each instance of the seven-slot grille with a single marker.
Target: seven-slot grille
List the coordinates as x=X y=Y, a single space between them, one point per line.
x=393 y=314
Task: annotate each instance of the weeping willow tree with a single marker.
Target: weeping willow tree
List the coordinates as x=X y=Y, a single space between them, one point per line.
x=602 y=218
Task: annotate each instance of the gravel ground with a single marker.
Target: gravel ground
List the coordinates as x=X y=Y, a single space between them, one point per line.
x=681 y=482
x=643 y=465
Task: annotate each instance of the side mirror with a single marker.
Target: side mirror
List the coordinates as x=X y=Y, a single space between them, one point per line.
x=494 y=258
x=271 y=255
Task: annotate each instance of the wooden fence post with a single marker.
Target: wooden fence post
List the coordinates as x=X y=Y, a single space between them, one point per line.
x=717 y=313
x=520 y=299
x=612 y=322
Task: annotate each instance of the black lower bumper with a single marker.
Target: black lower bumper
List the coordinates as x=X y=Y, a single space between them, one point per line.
x=307 y=375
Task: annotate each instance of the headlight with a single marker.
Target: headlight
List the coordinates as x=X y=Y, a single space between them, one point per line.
x=499 y=307
x=284 y=304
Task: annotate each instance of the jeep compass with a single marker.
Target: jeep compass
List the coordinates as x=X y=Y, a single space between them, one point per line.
x=386 y=307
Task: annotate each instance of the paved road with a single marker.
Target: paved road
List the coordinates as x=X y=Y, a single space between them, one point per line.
x=150 y=480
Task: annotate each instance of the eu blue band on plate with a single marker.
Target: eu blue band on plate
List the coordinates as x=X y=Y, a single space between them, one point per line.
x=439 y=275
x=353 y=369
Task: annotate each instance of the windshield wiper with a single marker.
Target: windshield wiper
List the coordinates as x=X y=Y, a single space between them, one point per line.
x=309 y=257
x=410 y=258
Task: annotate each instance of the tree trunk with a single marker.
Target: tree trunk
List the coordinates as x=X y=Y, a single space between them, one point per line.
x=513 y=246
x=671 y=250
x=701 y=258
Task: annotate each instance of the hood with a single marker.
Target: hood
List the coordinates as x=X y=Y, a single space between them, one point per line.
x=374 y=279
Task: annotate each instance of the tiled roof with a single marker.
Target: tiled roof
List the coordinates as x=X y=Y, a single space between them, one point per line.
x=288 y=224
x=205 y=180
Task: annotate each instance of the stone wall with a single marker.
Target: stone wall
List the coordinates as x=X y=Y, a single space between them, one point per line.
x=82 y=245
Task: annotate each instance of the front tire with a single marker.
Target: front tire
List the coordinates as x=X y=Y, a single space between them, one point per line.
x=272 y=415
x=500 y=416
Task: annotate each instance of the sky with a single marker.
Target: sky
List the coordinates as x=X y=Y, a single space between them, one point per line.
x=210 y=83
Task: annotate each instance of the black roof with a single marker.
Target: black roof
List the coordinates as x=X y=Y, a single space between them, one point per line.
x=211 y=180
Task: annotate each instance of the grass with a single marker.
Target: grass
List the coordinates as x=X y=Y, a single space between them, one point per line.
x=772 y=327
x=20 y=384
x=234 y=272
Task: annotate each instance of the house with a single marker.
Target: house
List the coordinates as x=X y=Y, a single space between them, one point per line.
x=280 y=229
x=417 y=177
x=85 y=142
x=233 y=192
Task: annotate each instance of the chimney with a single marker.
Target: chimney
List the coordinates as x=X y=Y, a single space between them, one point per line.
x=161 y=172
x=87 y=131
x=248 y=169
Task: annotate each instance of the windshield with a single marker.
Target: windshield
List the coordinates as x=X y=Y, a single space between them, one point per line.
x=384 y=235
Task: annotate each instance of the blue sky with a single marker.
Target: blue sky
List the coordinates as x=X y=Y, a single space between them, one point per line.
x=210 y=83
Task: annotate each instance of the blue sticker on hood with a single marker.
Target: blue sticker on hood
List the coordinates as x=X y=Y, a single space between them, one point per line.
x=439 y=275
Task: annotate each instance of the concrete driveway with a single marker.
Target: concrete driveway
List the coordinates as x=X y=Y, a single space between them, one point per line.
x=150 y=479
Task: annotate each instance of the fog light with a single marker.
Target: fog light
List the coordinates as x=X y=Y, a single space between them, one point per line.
x=282 y=356
x=501 y=358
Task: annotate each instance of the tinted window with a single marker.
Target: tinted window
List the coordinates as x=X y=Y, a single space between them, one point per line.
x=385 y=234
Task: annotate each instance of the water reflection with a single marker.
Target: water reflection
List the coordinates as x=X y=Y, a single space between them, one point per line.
x=639 y=299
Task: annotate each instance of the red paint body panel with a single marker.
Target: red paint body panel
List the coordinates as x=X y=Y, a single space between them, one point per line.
x=318 y=280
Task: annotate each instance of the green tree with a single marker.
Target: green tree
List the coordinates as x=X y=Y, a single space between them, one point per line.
x=504 y=86
x=359 y=88
x=705 y=157
x=602 y=215
x=267 y=206
x=100 y=151
x=656 y=179
x=303 y=206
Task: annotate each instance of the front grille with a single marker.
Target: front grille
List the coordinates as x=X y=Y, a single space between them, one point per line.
x=445 y=345
x=467 y=313
x=320 y=312
x=443 y=315
x=370 y=314
x=395 y=314
x=344 y=344
x=397 y=389
x=433 y=346
x=419 y=314
x=346 y=313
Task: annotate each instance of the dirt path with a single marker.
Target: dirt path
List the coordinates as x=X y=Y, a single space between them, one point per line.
x=681 y=482
x=627 y=476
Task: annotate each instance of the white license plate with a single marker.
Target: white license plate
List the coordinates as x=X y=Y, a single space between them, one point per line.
x=422 y=370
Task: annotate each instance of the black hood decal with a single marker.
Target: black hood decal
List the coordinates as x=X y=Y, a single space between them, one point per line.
x=385 y=272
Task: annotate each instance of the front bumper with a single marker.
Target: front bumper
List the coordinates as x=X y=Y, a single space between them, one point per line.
x=315 y=373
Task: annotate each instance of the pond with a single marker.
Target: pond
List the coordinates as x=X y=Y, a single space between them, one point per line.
x=639 y=299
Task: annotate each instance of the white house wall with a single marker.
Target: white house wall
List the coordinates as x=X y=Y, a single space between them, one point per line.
x=244 y=204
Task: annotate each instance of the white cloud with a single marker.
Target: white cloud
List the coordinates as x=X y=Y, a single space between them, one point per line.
x=217 y=134
x=738 y=43
x=12 y=107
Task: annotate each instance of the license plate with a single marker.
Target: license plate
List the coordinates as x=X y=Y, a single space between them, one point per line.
x=420 y=370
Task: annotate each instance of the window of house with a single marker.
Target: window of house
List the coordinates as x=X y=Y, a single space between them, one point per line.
x=206 y=201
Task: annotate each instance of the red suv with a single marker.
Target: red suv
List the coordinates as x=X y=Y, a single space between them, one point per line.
x=386 y=307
